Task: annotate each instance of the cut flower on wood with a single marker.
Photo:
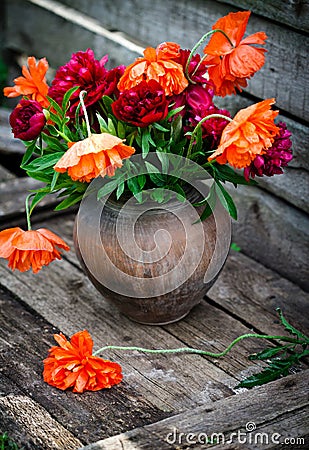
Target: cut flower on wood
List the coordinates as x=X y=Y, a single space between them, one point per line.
x=90 y=121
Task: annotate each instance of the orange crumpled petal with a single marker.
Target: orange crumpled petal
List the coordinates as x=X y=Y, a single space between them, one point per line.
x=33 y=82
x=251 y=132
x=30 y=249
x=99 y=154
x=71 y=365
x=231 y=66
x=157 y=64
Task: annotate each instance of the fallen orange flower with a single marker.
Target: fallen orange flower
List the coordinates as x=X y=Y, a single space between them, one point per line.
x=33 y=83
x=157 y=64
x=30 y=249
x=72 y=365
x=250 y=133
x=230 y=65
x=99 y=154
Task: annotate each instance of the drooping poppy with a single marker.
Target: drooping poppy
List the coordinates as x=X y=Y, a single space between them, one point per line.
x=232 y=63
x=99 y=154
x=30 y=249
x=72 y=365
x=250 y=133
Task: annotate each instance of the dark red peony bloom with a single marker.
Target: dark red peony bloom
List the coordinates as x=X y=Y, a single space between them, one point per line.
x=141 y=105
x=90 y=74
x=276 y=156
x=27 y=120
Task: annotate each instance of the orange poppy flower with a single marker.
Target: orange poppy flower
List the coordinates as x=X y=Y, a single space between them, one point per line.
x=30 y=249
x=230 y=66
x=157 y=64
x=33 y=83
x=99 y=154
x=251 y=132
x=72 y=365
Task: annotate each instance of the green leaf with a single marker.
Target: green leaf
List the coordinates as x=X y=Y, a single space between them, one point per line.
x=211 y=203
x=121 y=131
x=36 y=199
x=164 y=160
x=173 y=112
x=108 y=187
x=141 y=180
x=40 y=176
x=291 y=329
x=67 y=96
x=111 y=127
x=235 y=247
x=102 y=123
x=226 y=200
x=108 y=103
x=44 y=162
x=54 y=143
x=159 y=127
x=151 y=168
x=56 y=107
x=134 y=185
x=268 y=353
x=145 y=142
x=176 y=129
x=120 y=190
x=74 y=198
x=29 y=152
x=54 y=180
x=226 y=173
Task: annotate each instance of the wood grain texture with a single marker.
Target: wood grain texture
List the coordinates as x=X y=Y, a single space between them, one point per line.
x=226 y=416
x=272 y=232
x=284 y=75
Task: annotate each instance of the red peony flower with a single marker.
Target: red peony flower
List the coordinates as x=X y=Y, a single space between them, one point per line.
x=27 y=120
x=72 y=365
x=90 y=74
x=142 y=105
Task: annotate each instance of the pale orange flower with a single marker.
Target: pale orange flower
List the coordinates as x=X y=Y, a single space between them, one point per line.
x=157 y=64
x=72 y=365
x=251 y=133
x=33 y=83
x=99 y=154
x=30 y=249
x=230 y=66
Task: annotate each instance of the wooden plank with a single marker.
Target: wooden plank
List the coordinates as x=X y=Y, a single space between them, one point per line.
x=77 y=33
x=258 y=408
x=294 y=14
x=25 y=337
x=5 y=174
x=272 y=232
x=13 y=193
x=29 y=423
x=284 y=75
x=247 y=289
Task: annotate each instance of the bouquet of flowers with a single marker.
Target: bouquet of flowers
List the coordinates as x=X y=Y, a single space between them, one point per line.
x=91 y=120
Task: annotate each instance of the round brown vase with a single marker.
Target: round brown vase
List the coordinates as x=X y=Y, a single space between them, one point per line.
x=153 y=263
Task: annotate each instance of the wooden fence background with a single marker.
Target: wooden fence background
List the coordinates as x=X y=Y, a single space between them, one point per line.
x=273 y=225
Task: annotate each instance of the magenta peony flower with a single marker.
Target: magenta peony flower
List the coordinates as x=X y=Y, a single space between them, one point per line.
x=276 y=157
x=142 y=105
x=90 y=74
x=211 y=128
x=27 y=120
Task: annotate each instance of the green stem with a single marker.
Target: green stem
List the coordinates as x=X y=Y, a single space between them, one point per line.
x=198 y=351
x=81 y=98
x=221 y=116
x=200 y=42
x=28 y=213
x=63 y=136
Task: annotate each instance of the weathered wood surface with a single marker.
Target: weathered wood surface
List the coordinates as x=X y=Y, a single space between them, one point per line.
x=219 y=421
x=272 y=232
x=61 y=298
x=283 y=76
x=292 y=13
